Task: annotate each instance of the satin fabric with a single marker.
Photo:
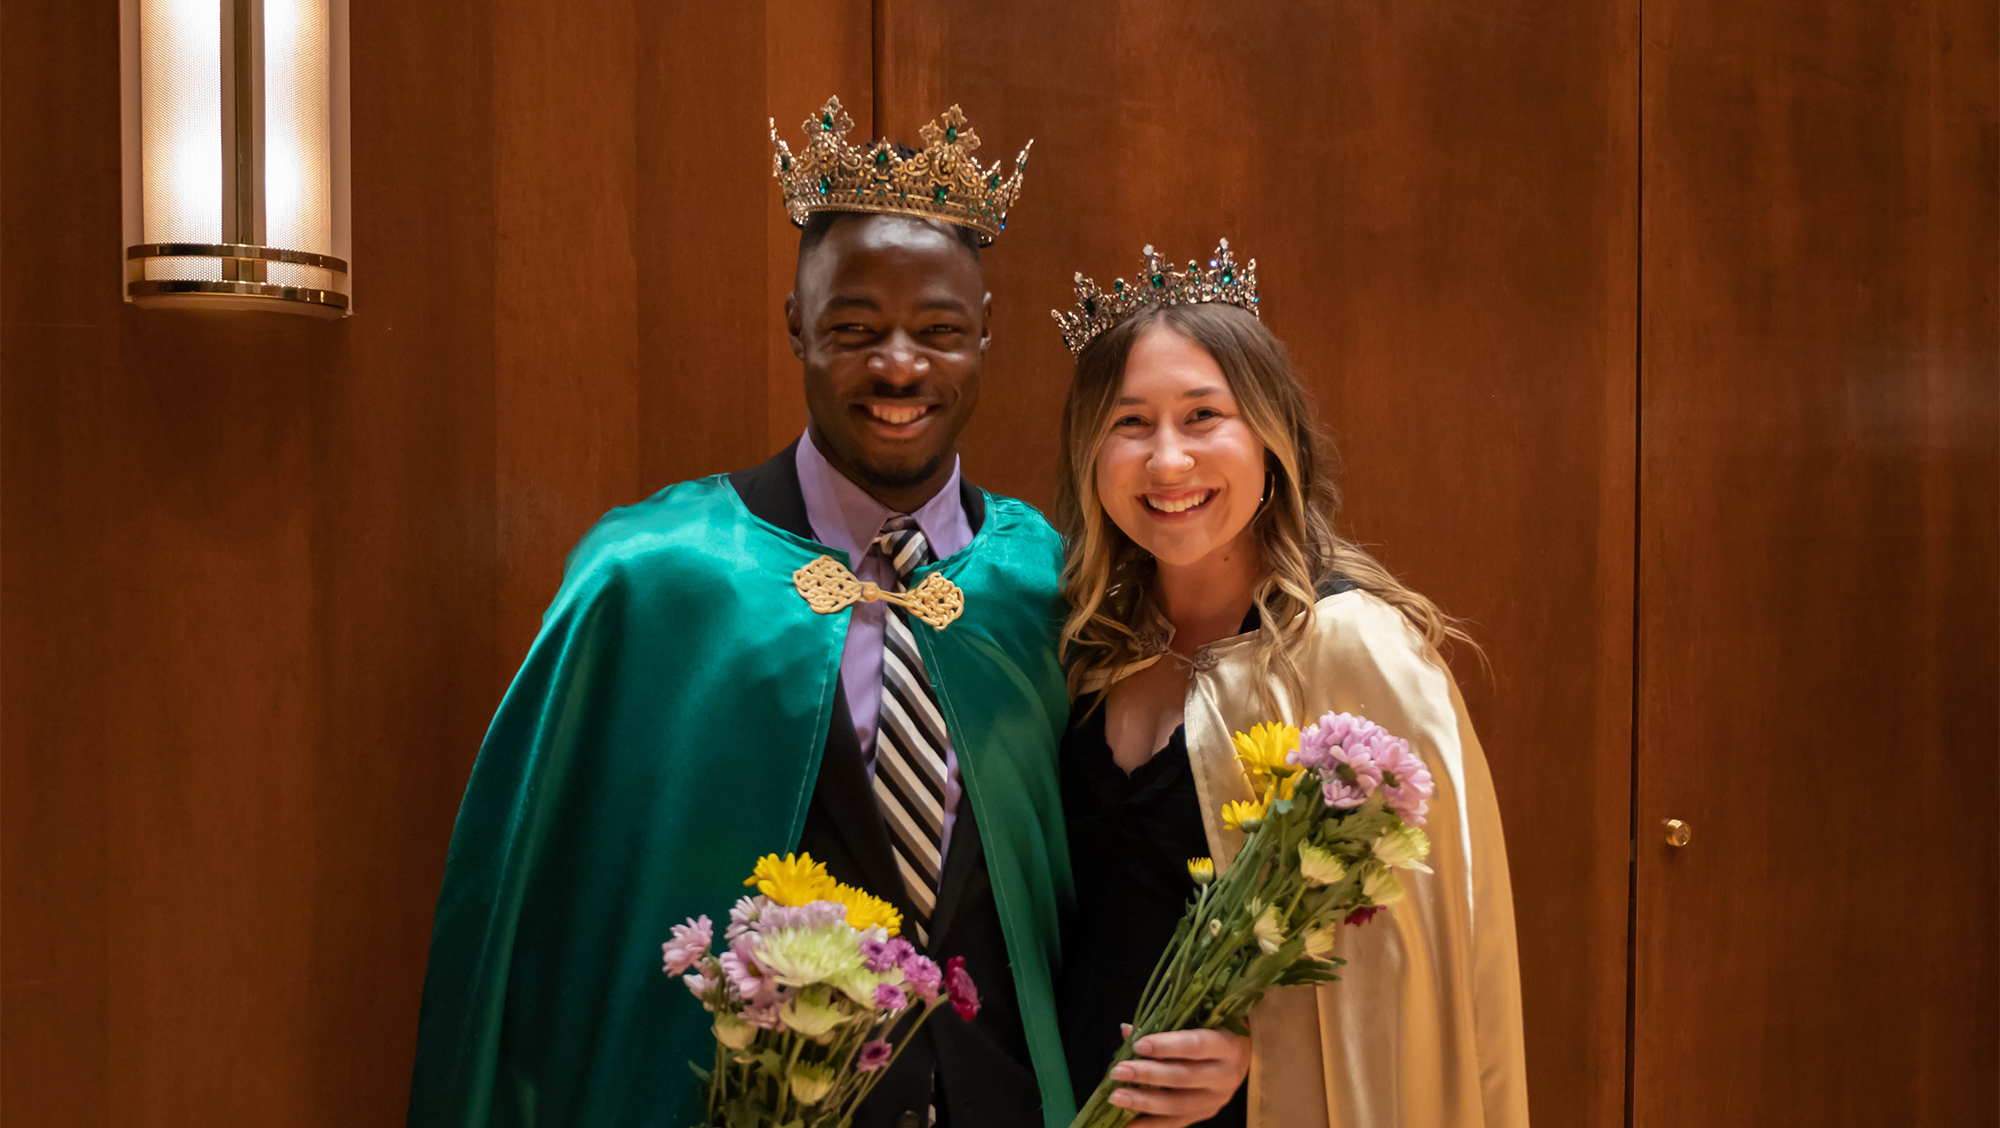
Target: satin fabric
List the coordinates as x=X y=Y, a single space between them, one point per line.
x=1424 y=1028
x=665 y=731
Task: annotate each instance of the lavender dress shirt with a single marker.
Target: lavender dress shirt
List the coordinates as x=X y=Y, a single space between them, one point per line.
x=845 y=517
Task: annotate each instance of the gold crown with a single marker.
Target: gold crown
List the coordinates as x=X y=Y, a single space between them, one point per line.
x=1159 y=284
x=942 y=181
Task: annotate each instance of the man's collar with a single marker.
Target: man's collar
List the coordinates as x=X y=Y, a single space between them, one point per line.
x=847 y=517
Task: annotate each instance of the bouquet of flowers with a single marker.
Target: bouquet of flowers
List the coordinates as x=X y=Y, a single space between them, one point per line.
x=811 y=986
x=1339 y=810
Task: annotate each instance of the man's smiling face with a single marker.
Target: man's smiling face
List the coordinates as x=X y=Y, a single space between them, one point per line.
x=890 y=318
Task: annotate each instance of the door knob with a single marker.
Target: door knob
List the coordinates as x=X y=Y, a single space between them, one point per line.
x=1678 y=833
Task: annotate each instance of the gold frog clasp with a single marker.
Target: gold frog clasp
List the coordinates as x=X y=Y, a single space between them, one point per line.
x=827 y=586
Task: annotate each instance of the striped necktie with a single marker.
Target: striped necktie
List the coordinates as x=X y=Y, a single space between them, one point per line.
x=910 y=738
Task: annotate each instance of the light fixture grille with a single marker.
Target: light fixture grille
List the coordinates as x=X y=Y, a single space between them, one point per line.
x=298 y=122
x=180 y=59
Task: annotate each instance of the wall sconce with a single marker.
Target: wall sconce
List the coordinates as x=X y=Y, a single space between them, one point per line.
x=235 y=154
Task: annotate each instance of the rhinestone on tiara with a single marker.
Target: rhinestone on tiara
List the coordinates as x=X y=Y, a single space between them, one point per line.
x=941 y=181
x=1159 y=284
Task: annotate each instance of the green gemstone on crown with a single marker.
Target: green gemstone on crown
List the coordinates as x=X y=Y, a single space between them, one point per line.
x=1090 y=307
x=951 y=133
x=1118 y=285
x=825 y=185
x=1228 y=276
x=826 y=121
x=785 y=162
x=881 y=158
x=1159 y=281
x=940 y=193
x=995 y=182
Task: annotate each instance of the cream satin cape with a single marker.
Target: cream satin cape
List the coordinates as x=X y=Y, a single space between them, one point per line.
x=1424 y=1028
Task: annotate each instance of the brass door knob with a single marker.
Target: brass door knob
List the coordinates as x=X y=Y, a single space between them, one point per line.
x=1678 y=833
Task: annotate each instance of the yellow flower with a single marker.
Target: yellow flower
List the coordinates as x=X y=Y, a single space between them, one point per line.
x=1202 y=870
x=864 y=909
x=791 y=880
x=811 y=1083
x=1381 y=887
x=1319 y=866
x=1269 y=930
x=1262 y=751
x=1319 y=942
x=1281 y=788
x=1244 y=815
x=733 y=1032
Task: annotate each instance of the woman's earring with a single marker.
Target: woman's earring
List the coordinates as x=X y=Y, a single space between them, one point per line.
x=1267 y=488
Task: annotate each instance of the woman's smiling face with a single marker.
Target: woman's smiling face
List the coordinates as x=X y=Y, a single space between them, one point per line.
x=1180 y=471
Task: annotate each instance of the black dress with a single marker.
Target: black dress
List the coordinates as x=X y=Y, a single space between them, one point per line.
x=1130 y=838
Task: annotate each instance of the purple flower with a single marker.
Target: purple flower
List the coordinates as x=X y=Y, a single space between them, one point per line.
x=874 y=1056
x=923 y=977
x=885 y=954
x=890 y=997
x=1363 y=916
x=1406 y=782
x=958 y=981
x=690 y=943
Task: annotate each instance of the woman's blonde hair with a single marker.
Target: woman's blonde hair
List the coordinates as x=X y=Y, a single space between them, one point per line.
x=1108 y=580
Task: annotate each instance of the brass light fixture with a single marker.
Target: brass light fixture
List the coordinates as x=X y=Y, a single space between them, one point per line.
x=235 y=154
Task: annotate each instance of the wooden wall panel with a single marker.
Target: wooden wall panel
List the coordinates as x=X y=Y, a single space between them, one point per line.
x=263 y=578
x=1442 y=202
x=1821 y=531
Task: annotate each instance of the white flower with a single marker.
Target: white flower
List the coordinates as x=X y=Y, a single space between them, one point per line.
x=1319 y=866
x=1404 y=848
x=1319 y=942
x=733 y=1032
x=1269 y=929
x=1381 y=887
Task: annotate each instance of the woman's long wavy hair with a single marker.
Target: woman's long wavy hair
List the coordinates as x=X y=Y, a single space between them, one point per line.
x=1108 y=580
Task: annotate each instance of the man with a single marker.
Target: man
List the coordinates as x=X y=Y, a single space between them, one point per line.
x=694 y=702
x=686 y=710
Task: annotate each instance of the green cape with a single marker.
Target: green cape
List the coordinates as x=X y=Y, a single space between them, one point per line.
x=664 y=733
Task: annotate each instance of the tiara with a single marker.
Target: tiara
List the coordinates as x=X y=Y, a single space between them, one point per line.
x=942 y=181
x=1159 y=284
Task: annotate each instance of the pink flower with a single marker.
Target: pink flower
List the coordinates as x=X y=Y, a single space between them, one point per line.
x=699 y=986
x=922 y=976
x=743 y=916
x=1363 y=916
x=764 y=1013
x=1406 y=782
x=743 y=973
x=810 y=915
x=890 y=997
x=885 y=954
x=1343 y=796
x=964 y=996
x=690 y=943
x=874 y=1056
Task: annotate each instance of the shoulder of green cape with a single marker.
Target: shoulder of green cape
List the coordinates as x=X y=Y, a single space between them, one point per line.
x=699 y=531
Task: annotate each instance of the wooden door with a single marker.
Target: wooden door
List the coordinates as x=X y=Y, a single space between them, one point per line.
x=1818 y=518
x=1442 y=201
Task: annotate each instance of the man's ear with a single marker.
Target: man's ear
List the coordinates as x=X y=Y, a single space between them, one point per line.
x=986 y=322
x=795 y=325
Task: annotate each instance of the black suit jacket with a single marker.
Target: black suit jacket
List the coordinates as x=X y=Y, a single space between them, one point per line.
x=984 y=1077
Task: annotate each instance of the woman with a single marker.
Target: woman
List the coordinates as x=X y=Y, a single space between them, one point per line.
x=1208 y=592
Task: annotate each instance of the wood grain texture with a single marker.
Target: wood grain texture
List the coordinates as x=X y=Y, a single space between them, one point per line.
x=263 y=578
x=1820 y=536
x=1443 y=204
